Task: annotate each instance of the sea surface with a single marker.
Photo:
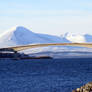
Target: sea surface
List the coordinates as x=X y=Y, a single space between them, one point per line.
x=44 y=75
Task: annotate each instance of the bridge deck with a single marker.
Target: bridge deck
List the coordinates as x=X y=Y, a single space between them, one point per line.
x=19 y=48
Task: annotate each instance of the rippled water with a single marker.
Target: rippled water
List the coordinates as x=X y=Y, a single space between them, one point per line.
x=53 y=75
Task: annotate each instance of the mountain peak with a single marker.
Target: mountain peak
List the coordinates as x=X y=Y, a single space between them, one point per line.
x=20 y=35
x=79 y=38
x=18 y=28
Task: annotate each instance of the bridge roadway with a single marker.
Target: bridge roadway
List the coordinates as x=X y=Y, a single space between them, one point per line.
x=24 y=47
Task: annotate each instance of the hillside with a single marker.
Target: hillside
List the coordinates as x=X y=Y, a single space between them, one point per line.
x=79 y=38
x=23 y=36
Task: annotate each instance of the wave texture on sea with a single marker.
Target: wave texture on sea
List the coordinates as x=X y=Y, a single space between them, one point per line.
x=45 y=75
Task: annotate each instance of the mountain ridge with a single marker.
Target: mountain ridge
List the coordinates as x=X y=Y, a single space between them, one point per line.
x=20 y=35
x=23 y=36
x=78 y=38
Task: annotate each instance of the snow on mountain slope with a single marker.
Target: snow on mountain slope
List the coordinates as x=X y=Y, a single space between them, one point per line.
x=22 y=36
x=86 y=38
x=74 y=37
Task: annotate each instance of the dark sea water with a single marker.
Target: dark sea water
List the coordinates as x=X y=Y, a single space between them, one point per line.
x=46 y=75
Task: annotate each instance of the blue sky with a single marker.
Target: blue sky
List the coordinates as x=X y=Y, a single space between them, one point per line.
x=47 y=16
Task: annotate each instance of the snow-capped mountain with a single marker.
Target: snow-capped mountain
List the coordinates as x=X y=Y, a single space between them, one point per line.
x=86 y=38
x=23 y=36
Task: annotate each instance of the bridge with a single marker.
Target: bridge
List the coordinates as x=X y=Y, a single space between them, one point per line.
x=24 y=47
x=12 y=52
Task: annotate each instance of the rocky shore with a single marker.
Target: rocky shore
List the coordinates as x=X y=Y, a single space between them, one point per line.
x=85 y=88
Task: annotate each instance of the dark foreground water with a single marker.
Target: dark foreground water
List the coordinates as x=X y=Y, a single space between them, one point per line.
x=56 y=75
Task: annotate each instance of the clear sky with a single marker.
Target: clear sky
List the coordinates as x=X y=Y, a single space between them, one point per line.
x=47 y=16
